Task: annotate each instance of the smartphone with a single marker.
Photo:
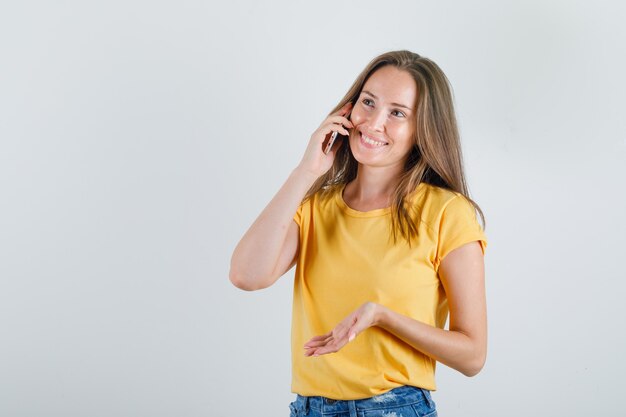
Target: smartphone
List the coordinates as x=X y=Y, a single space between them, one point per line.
x=331 y=141
x=334 y=136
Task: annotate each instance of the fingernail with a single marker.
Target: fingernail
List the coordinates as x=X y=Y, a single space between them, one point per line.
x=351 y=338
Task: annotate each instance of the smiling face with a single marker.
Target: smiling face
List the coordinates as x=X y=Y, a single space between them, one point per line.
x=384 y=119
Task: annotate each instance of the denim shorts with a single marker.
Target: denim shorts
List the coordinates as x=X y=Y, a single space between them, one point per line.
x=404 y=401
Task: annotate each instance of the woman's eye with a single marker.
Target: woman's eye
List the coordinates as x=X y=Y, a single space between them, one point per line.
x=367 y=101
x=398 y=113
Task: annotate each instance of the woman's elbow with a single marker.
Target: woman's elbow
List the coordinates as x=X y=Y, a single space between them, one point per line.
x=472 y=371
x=246 y=282
x=473 y=367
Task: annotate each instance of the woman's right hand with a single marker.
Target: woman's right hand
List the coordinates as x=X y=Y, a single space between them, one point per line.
x=315 y=161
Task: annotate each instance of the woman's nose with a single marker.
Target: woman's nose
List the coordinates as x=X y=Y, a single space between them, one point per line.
x=377 y=120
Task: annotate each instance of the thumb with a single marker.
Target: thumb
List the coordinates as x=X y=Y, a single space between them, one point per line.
x=352 y=332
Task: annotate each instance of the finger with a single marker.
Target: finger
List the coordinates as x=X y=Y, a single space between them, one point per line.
x=325 y=350
x=351 y=337
x=335 y=128
x=330 y=125
x=317 y=341
x=353 y=332
x=311 y=350
x=311 y=345
x=322 y=336
x=340 y=120
x=347 y=109
x=343 y=110
x=334 y=345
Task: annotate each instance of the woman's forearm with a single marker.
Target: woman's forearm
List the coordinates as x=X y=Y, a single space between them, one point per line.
x=255 y=258
x=270 y=244
x=452 y=348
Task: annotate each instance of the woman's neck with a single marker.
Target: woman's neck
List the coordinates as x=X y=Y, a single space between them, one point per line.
x=371 y=189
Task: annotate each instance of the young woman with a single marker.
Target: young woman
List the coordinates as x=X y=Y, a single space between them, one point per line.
x=386 y=242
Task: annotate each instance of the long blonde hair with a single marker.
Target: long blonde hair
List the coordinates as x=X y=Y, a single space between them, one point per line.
x=436 y=156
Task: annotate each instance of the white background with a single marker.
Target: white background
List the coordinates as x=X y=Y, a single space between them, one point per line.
x=140 y=139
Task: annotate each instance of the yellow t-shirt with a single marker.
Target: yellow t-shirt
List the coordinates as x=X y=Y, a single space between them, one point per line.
x=347 y=258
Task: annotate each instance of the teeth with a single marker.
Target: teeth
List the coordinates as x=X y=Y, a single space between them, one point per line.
x=371 y=141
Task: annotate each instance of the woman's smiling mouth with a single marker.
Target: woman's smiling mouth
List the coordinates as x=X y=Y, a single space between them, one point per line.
x=370 y=142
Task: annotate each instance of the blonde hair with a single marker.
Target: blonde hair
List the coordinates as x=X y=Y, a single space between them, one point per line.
x=436 y=156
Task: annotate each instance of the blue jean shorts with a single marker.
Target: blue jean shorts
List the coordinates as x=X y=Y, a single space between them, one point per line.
x=405 y=401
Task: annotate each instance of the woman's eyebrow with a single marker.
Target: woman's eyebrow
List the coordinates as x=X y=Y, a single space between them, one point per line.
x=393 y=104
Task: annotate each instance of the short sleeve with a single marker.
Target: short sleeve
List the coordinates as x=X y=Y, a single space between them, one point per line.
x=303 y=213
x=298 y=216
x=457 y=227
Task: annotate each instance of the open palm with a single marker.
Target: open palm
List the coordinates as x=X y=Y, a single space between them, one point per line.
x=359 y=320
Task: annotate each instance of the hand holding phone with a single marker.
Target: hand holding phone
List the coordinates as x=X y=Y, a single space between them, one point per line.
x=333 y=136
x=331 y=141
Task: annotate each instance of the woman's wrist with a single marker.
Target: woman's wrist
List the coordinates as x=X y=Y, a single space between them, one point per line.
x=380 y=315
x=305 y=175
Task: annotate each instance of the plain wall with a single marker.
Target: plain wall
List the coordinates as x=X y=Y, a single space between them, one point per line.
x=140 y=139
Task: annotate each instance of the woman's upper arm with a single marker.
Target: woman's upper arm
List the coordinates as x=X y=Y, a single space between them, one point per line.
x=462 y=274
x=289 y=251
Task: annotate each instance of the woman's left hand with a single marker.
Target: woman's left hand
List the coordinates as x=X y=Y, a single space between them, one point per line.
x=362 y=318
